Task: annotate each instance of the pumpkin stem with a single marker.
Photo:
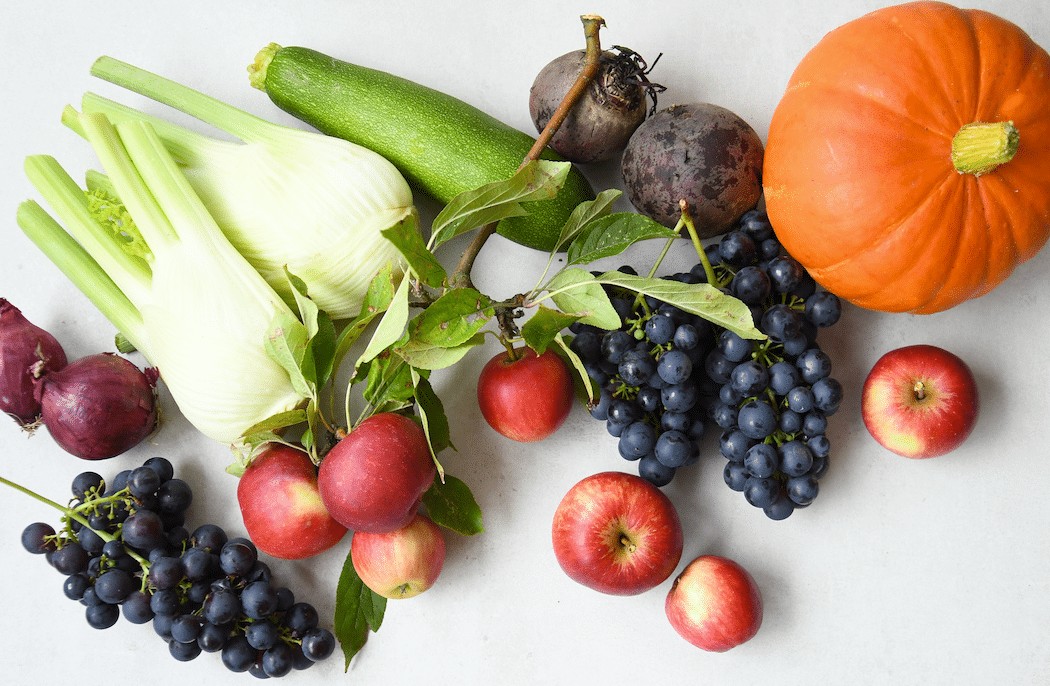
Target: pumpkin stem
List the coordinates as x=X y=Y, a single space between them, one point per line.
x=980 y=147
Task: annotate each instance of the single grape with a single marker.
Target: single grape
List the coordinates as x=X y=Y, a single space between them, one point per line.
x=86 y=484
x=166 y=572
x=213 y=637
x=75 y=585
x=823 y=309
x=819 y=445
x=749 y=378
x=118 y=483
x=221 y=606
x=761 y=460
x=827 y=395
x=800 y=399
x=654 y=471
x=262 y=635
x=115 y=585
x=735 y=476
x=102 y=616
x=258 y=600
x=165 y=602
x=136 y=608
x=737 y=249
x=751 y=285
x=318 y=644
x=785 y=273
x=781 y=508
x=70 y=559
x=622 y=410
x=186 y=628
x=277 y=661
x=679 y=397
x=237 y=557
x=734 y=347
x=198 y=564
x=757 y=419
x=734 y=444
x=814 y=365
x=724 y=415
x=718 y=366
x=783 y=376
x=814 y=423
x=674 y=367
x=686 y=337
x=780 y=322
x=790 y=422
x=795 y=344
x=659 y=329
x=648 y=398
x=238 y=655
x=211 y=537
x=587 y=345
x=183 y=652
x=795 y=458
x=35 y=538
x=637 y=440
x=761 y=492
x=174 y=495
x=636 y=366
x=802 y=489
x=162 y=466
x=90 y=541
x=143 y=482
x=675 y=421
x=600 y=411
x=301 y=618
x=144 y=530
x=673 y=449
x=162 y=625
x=820 y=467
x=615 y=344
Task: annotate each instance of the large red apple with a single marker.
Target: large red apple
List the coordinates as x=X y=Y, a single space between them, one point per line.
x=281 y=506
x=373 y=479
x=617 y=533
x=401 y=563
x=714 y=604
x=920 y=401
x=525 y=397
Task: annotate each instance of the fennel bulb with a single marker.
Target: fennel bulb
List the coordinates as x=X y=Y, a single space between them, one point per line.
x=283 y=197
x=169 y=280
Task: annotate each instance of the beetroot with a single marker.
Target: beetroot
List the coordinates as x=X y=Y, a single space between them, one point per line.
x=23 y=346
x=701 y=153
x=98 y=406
x=603 y=119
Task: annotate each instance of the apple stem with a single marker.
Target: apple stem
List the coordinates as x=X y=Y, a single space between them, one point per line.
x=627 y=543
x=920 y=390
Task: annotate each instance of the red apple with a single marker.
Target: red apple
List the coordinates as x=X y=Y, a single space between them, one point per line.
x=526 y=397
x=617 y=533
x=714 y=604
x=401 y=563
x=282 y=508
x=920 y=401
x=373 y=479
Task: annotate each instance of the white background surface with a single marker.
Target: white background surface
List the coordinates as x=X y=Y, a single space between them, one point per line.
x=902 y=572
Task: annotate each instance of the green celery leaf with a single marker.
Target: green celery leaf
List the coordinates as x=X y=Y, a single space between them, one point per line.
x=286 y=345
x=536 y=180
x=406 y=238
x=586 y=212
x=612 y=234
x=701 y=299
x=433 y=418
x=452 y=319
x=422 y=355
x=451 y=504
x=577 y=292
x=544 y=326
x=358 y=609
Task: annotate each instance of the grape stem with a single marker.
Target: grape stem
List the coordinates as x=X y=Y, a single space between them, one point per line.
x=687 y=219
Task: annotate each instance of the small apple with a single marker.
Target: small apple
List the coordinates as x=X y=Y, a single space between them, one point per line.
x=282 y=508
x=525 y=397
x=617 y=533
x=714 y=604
x=401 y=563
x=920 y=401
x=373 y=479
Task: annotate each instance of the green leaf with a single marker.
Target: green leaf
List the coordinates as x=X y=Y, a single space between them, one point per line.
x=389 y=382
x=406 y=238
x=701 y=299
x=544 y=326
x=319 y=360
x=577 y=292
x=452 y=319
x=612 y=234
x=433 y=418
x=451 y=504
x=586 y=212
x=377 y=299
x=281 y=420
x=358 y=610
x=536 y=180
x=585 y=388
x=391 y=326
x=422 y=355
x=286 y=345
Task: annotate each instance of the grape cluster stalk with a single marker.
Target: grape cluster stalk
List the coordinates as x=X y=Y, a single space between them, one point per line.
x=123 y=549
x=668 y=377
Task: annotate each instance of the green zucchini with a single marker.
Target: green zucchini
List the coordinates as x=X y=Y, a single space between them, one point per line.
x=442 y=145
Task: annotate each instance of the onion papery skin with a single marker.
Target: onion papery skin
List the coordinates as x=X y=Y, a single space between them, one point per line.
x=99 y=406
x=23 y=346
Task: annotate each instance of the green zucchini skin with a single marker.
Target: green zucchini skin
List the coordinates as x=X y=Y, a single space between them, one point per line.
x=442 y=145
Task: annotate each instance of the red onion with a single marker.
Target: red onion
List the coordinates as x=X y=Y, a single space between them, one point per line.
x=98 y=406
x=23 y=345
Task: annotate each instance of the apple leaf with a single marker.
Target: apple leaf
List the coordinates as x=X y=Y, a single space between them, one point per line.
x=285 y=344
x=358 y=610
x=536 y=180
x=586 y=212
x=392 y=324
x=389 y=384
x=585 y=387
x=577 y=292
x=544 y=326
x=452 y=319
x=450 y=504
x=406 y=238
x=433 y=419
x=611 y=235
x=377 y=299
x=701 y=299
x=427 y=356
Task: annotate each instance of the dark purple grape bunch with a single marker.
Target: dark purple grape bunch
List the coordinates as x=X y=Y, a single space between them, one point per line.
x=124 y=549
x=774 y=396
x=650 y=372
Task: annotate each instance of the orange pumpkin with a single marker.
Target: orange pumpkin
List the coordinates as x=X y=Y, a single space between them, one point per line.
x=860 y=179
